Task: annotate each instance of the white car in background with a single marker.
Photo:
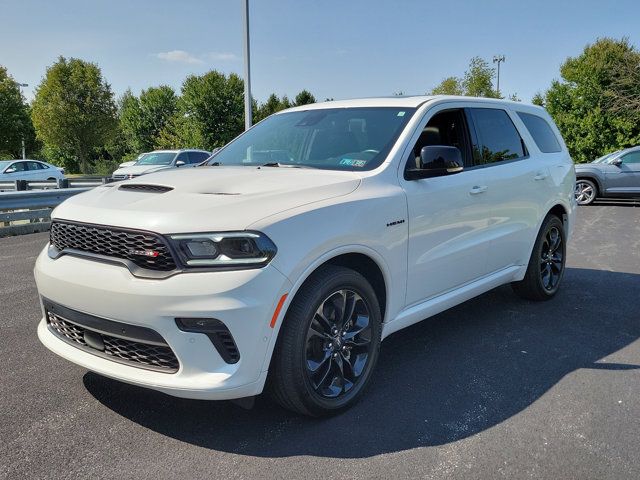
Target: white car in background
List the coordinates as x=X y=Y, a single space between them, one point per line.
x=32 y=170
x=287 y=258
x=161 y=160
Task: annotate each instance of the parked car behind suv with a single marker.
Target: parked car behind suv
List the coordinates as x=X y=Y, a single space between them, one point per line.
x=614 y=175
x=161 y=160
x=305 y=242
x=34 y=170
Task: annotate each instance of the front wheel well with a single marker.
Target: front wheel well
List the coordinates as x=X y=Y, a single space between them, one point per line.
x=369 y=269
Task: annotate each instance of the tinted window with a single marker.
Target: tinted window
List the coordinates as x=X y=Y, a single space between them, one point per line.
x=631 y=157
x=19 y=166
x=198 y=157
x=34 y=166
x=444 y=128
x=541 y=132
x=498 y=138
x=183 y=157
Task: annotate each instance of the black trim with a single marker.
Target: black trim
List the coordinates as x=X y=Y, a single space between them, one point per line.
x=219 y=335
x=125 y=331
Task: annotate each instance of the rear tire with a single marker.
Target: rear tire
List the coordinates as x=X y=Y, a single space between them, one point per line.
x=328 y=344
x=586 y=191
x=547 y=263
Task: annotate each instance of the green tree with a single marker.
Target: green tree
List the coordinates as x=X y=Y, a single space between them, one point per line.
x=580 y=103
x=274 y=104
x=142 y=119
x=305 y=97
x=477 y=81
x=15 y=119
x=210 y=110
x=449 y=86
x=74 y=110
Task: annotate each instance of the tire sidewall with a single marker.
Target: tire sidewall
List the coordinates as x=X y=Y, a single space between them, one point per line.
x=549 y=223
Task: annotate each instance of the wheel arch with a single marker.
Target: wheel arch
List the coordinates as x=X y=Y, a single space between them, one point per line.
x=366 y=261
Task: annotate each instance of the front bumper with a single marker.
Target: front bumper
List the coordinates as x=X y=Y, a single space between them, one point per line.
x=243 y=300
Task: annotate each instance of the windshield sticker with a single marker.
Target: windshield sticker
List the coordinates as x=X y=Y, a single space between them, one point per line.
x=350 y=162
x=400 y=114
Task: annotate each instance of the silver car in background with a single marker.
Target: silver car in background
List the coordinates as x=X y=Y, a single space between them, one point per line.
x=31 y=170
x=161 y=160
x=616 y=174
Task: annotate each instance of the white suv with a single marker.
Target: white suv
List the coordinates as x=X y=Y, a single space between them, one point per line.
x=303 y=243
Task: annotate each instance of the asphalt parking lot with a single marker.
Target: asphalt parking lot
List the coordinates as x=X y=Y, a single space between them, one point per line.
x=495 y=388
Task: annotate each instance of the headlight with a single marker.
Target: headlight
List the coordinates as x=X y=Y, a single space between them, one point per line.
x=226 y=249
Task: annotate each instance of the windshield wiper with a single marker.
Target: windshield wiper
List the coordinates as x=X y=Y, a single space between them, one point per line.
x=285 y=165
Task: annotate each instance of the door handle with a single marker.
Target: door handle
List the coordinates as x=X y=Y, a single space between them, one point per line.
x=478 y=189
x=540 y=176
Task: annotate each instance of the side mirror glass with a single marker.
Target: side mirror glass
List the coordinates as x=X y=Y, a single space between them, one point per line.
x=180 y=163
x=436 y=161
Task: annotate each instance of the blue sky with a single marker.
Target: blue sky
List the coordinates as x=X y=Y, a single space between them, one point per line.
x=334 y=48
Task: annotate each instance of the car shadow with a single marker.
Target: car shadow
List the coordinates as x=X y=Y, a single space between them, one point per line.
x=444 y=379
x=617 y=202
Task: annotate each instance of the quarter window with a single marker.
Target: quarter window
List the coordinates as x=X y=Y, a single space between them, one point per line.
x=498 y=138
x=541 y=132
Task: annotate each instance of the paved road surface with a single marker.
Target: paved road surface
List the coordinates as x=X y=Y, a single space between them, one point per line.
x=494 y=388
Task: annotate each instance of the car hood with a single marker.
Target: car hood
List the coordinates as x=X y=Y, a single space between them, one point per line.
x=140 y=169
x=206 y=198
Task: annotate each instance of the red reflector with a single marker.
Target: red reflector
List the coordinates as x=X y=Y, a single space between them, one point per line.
x=277 y=311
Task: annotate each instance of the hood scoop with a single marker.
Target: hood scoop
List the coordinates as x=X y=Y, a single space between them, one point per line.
x=143 y=187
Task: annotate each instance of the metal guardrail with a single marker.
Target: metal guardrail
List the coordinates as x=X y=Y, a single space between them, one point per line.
x=25 y=207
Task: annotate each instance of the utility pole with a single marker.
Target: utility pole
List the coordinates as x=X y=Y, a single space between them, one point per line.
x=247 y=69
x=20 y=85
x=498 y=59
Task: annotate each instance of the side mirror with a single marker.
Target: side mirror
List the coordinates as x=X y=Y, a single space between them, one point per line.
x=436 y=161
x=180 y=163
x=10 y=170
x=617 y=162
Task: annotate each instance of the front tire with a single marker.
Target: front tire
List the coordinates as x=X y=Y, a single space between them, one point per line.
x=585 y=192
x=547 y=263
x=328 y=345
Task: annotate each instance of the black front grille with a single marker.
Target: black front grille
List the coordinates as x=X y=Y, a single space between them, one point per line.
x=135 y=353
x=139 y=187
x=144 y=249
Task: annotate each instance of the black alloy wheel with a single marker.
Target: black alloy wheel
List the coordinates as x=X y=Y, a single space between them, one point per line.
x=547 y=263
x=338 y=343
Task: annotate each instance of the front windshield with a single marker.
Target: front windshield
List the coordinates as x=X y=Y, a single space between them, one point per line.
x=332 y=138
x=606 y=157
x=4 y=164
x=157 y=158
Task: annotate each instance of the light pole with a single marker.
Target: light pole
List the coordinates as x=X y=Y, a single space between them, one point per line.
x=498 y=59
x=20 y=85
x=247 y=68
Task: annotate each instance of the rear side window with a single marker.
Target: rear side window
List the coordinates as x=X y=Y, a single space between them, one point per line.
x=498 y=138
x=541 y=132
